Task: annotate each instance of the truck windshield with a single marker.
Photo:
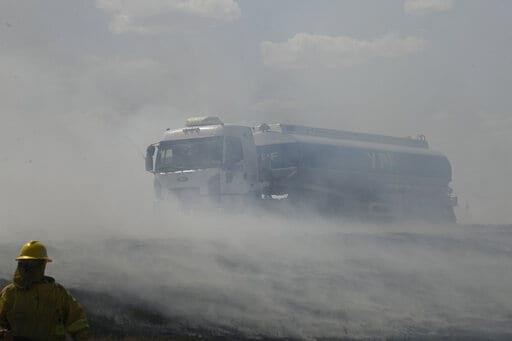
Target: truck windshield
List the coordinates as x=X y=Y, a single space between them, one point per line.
x=189 y=154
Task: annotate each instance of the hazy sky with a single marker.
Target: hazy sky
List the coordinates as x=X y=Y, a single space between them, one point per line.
x=85 y=83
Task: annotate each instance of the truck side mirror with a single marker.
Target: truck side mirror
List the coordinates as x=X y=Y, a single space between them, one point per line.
x=150 y=152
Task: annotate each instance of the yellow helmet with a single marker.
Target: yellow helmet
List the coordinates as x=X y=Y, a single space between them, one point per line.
x=33 y=250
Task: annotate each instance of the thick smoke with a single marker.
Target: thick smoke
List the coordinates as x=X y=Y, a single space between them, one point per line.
x=80 y=103
x=274 y=275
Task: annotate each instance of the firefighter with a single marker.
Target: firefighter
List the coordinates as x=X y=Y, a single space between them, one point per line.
x=34 y=306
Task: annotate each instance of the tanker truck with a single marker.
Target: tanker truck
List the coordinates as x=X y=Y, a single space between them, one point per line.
x=333 y=171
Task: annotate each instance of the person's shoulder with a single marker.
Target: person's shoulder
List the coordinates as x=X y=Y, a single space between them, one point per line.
x=7 y=289
x=59 y=287
x=51 y=281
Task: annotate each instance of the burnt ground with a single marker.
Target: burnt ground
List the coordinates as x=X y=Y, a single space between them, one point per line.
x=112 y=319
x=371 y=285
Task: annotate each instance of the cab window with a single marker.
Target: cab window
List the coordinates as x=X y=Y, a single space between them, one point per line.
x=234 y=151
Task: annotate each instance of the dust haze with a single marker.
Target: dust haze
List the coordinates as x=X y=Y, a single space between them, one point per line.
x=85 y=86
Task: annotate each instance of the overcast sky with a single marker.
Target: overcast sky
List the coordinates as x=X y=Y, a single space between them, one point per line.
x=98 y=79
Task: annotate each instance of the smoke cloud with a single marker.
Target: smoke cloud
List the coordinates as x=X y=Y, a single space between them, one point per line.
x=275 y=275
x=307 y=50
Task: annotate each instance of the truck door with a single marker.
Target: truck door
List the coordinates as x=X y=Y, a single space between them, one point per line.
x=234 y=176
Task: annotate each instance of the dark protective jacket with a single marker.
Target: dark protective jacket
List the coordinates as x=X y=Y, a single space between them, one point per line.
x=44 y=310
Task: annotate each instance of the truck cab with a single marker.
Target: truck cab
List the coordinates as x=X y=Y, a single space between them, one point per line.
x=206 y=158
